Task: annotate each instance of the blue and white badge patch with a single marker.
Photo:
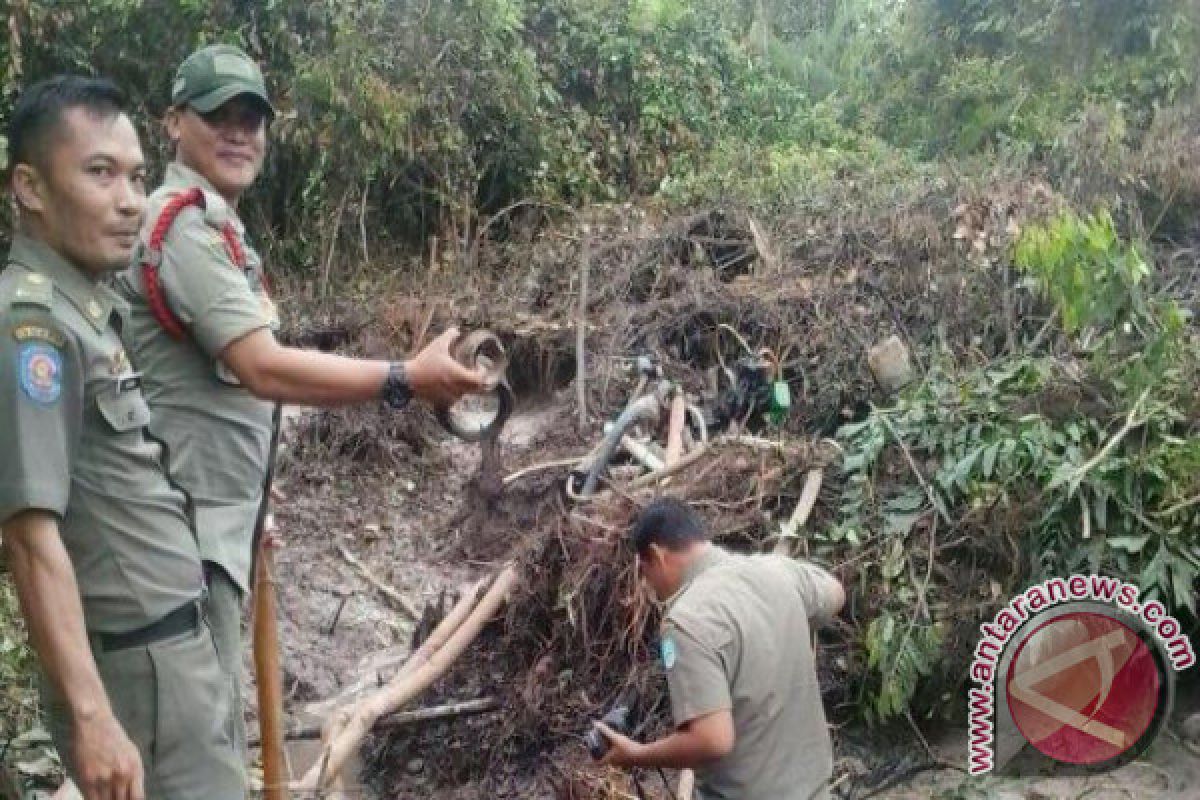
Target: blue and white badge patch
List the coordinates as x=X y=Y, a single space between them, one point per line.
x=39 y=372
x=667 y=650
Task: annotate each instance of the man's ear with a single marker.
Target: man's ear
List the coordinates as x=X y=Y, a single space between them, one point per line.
x=172 y=124
x=656 y=554
x=29 y=188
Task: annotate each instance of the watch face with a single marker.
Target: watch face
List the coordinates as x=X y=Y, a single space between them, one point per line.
x=396 y=391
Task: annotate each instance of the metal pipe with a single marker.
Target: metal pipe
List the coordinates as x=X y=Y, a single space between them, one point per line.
x=644 y=408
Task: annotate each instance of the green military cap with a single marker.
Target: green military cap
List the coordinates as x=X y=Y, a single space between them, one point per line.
x=214 y=75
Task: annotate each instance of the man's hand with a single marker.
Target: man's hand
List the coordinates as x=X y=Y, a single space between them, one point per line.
x=622 y=751
x=697 y=742
x=437 y=378
x=106 y=762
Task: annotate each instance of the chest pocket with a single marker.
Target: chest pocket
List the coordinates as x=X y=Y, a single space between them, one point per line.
x=124 y=410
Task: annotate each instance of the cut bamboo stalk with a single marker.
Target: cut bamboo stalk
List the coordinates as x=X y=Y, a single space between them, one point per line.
x=269 y=678
x=366 y=713
x=641 y=452
x=675 y=428
x=804 y=507
x=687 y=782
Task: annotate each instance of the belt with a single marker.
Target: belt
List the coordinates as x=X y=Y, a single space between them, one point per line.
x=184 y=619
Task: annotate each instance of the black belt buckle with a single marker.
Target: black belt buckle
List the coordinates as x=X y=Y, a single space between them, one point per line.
x=184 y=619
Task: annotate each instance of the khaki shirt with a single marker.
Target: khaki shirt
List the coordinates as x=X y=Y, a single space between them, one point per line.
x=737 y=637
x=75 y=444
x=218 y=434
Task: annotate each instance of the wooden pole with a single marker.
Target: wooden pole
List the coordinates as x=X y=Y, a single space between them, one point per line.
x=804 y=507
x=675 y=428
x=268 y=677
x=581 y=329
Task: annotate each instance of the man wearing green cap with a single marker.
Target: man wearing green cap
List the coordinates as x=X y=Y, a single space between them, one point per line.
x=202 y=327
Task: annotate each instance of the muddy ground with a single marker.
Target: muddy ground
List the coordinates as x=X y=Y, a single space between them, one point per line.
x=402 y=518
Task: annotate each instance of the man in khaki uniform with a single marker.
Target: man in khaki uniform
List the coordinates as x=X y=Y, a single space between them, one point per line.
x=737 y=650
x=212 y=369
x=99 y=542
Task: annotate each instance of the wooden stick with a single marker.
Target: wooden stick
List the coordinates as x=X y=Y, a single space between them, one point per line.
x=402 y=718
x=804 y=507
x=687 y=782
x=675 y=428
x=581 y=329
x=642 y=453
x=269 y=678
x=365 y=714
x=666 y=472
x=521 y=473
x=397 y=600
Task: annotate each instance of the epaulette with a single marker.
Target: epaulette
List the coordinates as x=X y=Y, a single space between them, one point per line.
x=214 y=210
x=34 y=289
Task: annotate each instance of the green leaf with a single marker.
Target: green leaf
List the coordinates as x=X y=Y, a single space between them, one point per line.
x=1128 y=544
x=989 y=460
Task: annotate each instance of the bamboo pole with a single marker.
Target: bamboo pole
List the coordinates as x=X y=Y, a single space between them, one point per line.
x=268 y=676
x=675 y=428
x=804 y=507
x=365 y=714
x=687 y=782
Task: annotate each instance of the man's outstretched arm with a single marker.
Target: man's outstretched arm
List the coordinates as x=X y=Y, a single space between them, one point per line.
x=272 y=371
x=106 y=762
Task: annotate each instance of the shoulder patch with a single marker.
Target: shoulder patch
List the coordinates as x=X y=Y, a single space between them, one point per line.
x=34 y=289
x=667 y=651
x=26 y=332
x=39 y=372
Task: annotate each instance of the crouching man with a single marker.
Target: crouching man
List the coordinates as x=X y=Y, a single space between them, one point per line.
x=737 y=650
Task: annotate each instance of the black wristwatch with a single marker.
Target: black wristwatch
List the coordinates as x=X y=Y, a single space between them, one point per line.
x=396 y=392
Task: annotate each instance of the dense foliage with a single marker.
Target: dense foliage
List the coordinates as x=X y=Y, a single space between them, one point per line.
x=415 y=118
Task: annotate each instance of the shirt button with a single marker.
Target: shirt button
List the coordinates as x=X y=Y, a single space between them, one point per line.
x=94 y=309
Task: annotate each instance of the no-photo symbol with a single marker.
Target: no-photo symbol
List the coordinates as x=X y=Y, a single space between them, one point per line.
x=1083 y=688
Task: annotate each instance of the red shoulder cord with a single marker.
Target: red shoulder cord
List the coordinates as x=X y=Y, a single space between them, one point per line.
x=152 y=258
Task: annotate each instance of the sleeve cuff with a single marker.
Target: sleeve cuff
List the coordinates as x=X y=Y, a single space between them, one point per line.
x=18 y=499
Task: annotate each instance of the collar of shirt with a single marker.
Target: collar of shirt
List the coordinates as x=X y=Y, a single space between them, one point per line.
x=93 y=299
x=179 y=176
x=711 y=557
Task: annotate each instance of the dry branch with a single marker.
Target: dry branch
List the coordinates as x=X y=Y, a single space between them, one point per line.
x=397 y=600
x=339 y=747
x=403 y=718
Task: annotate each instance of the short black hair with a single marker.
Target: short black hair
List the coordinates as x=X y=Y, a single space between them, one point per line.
x=667 y=522
x=38 y=114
